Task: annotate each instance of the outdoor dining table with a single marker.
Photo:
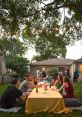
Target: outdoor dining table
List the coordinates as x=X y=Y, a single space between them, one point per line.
x=47 y=101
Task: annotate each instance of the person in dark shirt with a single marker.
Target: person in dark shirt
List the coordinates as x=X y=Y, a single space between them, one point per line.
x=11 y=94
x=43 y=74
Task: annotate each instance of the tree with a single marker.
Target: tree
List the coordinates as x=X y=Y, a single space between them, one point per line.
x=32 y=18
x=50 y=47
x=18 y=65
x=12 y=47
x=13 y=51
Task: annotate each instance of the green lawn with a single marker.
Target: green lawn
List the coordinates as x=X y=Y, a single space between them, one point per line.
x=2 y=87
x=78 y=90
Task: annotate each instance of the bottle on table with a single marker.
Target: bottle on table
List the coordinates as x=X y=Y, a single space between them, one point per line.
x=50 y=85
x=36 y=88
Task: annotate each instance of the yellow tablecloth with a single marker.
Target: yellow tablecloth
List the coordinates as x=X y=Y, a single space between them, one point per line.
x=50 y=101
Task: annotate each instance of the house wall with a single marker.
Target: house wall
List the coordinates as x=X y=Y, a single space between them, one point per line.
x=35 y=68
x=74 y=66
x=72 y=69
x=80 y=75
x=48 y=68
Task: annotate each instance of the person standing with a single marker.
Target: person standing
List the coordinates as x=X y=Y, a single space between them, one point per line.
x=44 y=74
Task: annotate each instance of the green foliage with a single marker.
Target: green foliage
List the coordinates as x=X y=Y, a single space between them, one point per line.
x=35 y=13
x=52 y=72
x=39 y=22
x=18 y=65
x=12 y=47
x=50 y=46
x=13 y=51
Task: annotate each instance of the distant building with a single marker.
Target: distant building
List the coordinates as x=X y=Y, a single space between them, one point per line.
x=78 y=65
x=59 y=63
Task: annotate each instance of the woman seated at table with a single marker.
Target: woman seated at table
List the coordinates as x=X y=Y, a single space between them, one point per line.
x=68 y=90
x=54 y=79
x=59 y=82
x=68 y=93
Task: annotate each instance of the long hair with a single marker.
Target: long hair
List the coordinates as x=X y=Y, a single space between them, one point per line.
x=66 y=79
x=55 y=76
x=61 y=79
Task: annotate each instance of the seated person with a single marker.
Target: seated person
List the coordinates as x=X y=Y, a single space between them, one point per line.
x=54 y=79
x=11 y=94
x=35 y=80
x=58 y=82
x=49 y=78
x=27 y=84
x=68 y=90
x=68 y=94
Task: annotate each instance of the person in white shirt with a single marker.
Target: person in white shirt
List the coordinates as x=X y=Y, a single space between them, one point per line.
x=27 y=84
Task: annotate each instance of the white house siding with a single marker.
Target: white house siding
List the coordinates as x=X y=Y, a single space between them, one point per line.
x=48 y=68
x=72 y=69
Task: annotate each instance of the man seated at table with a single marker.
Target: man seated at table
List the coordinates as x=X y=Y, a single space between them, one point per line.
x=28 y=84
x=11 y=94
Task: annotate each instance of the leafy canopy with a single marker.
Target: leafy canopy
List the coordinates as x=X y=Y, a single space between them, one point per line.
x=13 y=51
x=45 y=22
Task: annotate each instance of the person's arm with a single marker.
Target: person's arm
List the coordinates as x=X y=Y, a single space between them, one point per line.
x=20 y=95
x=63 y=85
x=21 y=85
x=55 y=82
x=23 y=96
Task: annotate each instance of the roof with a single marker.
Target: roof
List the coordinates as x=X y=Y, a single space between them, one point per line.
x=54 y=61
x=78 y=60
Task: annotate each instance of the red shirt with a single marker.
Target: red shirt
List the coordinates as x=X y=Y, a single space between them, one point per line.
x=69 y=91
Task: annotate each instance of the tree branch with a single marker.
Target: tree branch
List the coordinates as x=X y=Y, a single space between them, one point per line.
x=49 y=7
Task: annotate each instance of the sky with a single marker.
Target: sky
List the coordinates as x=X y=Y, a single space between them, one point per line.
x=73 y=52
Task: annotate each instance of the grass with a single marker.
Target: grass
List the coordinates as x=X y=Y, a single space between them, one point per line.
x=3 y=87
x=78 y=90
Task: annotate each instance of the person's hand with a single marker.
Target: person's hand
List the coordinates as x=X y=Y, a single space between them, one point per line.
x=55 y=89
x=26 y=94
x=52 y=88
